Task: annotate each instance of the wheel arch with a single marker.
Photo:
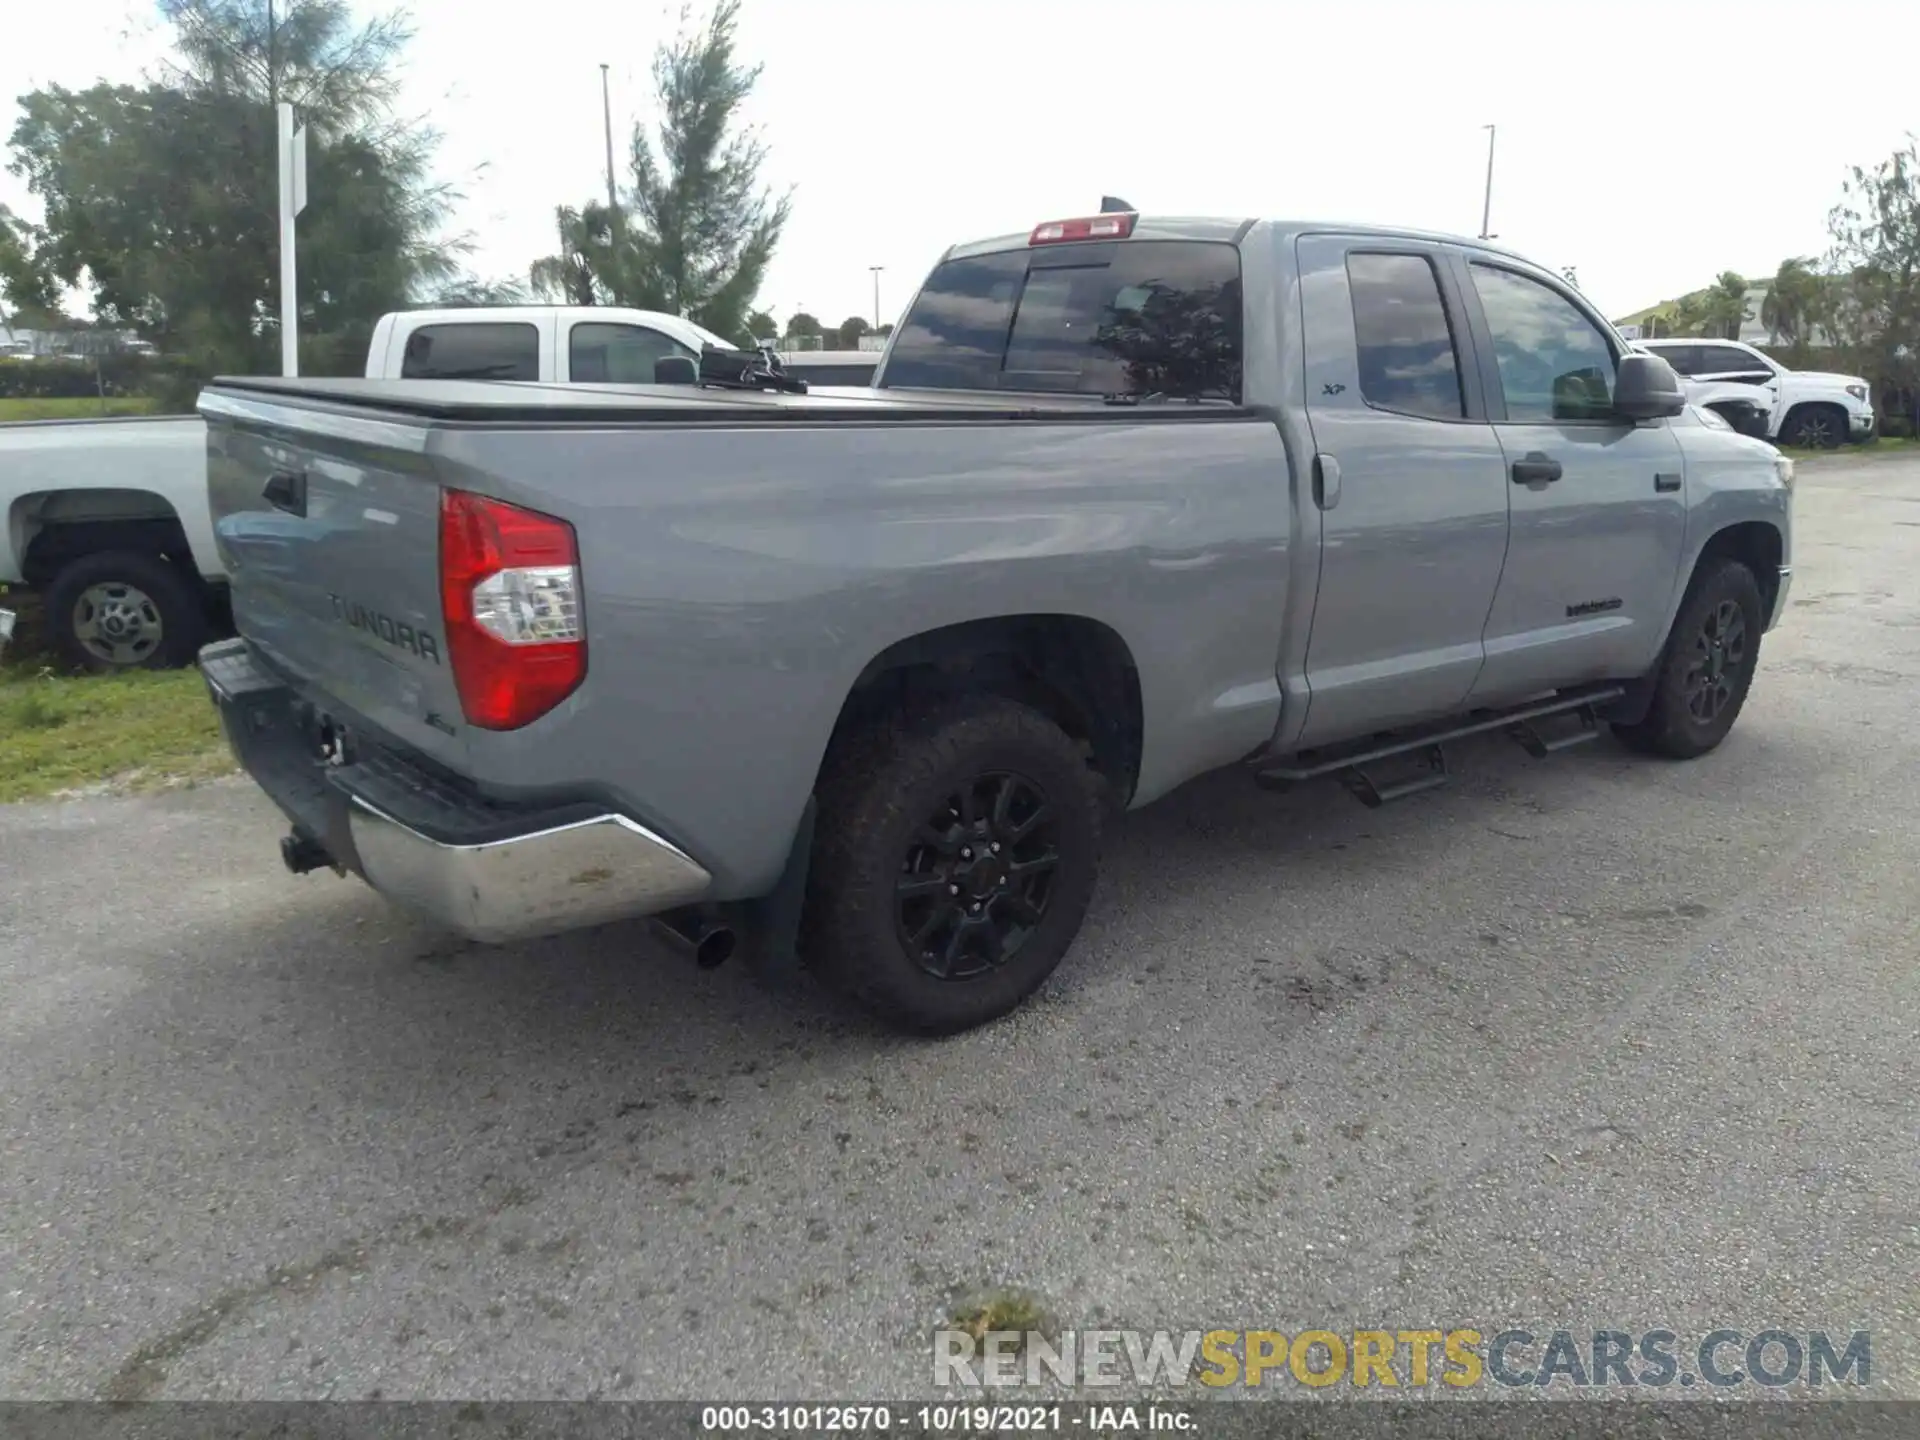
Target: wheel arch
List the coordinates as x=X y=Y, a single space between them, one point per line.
x=1757 y=544
x=1800 y=409
x=1742 y=414
x=51 y=528
x=1077 y=671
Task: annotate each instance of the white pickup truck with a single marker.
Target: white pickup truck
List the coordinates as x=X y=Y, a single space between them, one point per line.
x=1814 y=408
x=108 y=518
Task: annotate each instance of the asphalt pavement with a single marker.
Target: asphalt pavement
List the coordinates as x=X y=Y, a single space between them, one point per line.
x=1590 y=1042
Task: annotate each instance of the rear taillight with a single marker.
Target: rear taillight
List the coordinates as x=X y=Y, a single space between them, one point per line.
x=510 y=592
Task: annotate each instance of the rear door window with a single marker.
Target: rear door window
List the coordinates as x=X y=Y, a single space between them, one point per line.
x=1685 y=359
x=603 y=353
x=483 y=350
x=1726 y=360
x=1408 y=363
x=1135 y=316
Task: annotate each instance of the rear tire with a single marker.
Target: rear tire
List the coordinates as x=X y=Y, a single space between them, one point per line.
x=121 y=610
x=1816 y=427
x=961 y=838
x=1706 y=668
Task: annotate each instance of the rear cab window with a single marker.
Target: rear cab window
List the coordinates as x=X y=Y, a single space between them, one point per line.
x=483 y=350
x=1141 y=317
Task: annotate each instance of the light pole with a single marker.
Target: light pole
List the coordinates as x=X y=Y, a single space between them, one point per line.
x=293 y=199
x=1486 y=207
x=876 y=269
x=606 y=109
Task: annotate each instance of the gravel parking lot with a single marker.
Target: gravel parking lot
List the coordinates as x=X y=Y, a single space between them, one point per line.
x=1596 y=1041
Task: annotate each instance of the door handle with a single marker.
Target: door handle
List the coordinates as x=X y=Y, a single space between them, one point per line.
x=1536 y=469
x=1666 y=484
x=1326 y=481
x=286 y=490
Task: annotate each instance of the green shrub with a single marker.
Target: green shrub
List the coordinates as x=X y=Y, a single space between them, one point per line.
x=172 y=383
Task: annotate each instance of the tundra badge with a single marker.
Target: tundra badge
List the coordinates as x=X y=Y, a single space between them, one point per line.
x=396 y=633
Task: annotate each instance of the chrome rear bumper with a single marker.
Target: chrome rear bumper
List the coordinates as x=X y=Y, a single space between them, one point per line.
x=588 y=872
x=489 y=870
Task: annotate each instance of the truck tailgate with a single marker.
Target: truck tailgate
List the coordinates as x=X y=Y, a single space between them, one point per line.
x=328 y=524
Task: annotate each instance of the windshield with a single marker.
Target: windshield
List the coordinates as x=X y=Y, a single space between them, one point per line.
x=1140 y=317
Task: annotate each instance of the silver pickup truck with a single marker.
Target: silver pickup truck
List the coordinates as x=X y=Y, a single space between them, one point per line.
x=859 y=676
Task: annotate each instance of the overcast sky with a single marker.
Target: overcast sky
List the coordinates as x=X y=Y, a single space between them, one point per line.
x=1648 y=144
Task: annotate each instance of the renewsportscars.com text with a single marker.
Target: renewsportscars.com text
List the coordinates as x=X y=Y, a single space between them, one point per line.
x=1459 y=1358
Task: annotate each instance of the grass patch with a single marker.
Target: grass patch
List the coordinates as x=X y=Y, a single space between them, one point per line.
x=1879 y=445
x=140 y=731
x=84 y=409
x=1000 y=1312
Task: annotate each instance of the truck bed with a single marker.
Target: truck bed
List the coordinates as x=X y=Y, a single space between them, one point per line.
x=526 y=403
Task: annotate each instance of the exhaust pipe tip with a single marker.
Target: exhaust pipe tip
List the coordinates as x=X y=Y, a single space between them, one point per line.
x=302 y=853
x=707 y=942
x=714 y=949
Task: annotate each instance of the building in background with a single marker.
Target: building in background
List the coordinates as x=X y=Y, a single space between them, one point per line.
x=1646 y=324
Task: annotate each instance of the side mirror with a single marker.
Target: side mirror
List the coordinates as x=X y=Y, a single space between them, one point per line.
x=1646 y=388
x=675 y=370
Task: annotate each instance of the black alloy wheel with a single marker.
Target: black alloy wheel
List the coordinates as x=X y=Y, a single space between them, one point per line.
x=1706 y=667
x=1719 y=656
x=955 y=852
x=977 y=878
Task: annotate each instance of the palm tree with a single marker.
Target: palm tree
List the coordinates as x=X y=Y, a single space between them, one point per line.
x=1726 y=304
x=1687 y=316
x=577 y=274
x=472 y=292
x=1792 y=303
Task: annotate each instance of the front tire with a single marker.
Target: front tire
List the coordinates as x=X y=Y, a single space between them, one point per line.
x=1816 y=427
x=956 y=854
x=120 y=610
x=1707 y=666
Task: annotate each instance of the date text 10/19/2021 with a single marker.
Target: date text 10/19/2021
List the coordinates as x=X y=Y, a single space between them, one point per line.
x=1085 y=1419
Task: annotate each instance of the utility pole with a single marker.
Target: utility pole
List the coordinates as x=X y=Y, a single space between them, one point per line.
x=876 y=269
x=293 y=199
x=606 y=108
x=1486 y=207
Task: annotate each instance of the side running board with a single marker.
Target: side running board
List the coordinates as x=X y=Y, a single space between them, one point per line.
x=1423 y=744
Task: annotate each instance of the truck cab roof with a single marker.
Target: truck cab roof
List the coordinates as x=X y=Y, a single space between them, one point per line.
x=1232 y=230
x=676 y=327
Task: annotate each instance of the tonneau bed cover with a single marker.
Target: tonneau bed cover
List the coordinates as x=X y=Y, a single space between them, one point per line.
x=520 y=402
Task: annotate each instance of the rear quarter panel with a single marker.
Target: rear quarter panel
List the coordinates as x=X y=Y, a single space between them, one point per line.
x=738 y=581
x=163 y=458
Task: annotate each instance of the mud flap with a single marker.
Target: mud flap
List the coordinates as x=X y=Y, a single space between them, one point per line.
x=772 y=952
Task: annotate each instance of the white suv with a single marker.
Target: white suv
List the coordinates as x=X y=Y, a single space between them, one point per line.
x=1810 y=408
